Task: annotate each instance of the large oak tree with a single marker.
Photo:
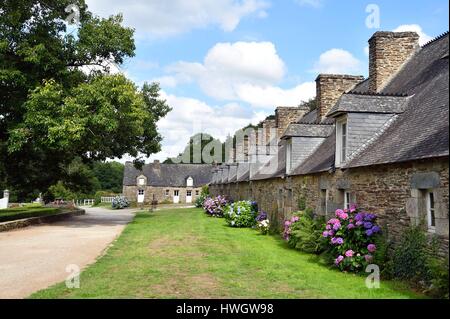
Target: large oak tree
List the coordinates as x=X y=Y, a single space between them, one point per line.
x=53 y=110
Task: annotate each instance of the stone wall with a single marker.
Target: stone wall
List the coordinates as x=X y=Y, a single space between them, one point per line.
x=130 y=192
x=390 y=191
x=388 y=51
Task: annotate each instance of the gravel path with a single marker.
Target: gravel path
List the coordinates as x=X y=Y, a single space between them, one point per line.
x=36 y=257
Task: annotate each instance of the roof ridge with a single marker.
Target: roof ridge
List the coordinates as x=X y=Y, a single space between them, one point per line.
x=436 y=39
x=377 y=94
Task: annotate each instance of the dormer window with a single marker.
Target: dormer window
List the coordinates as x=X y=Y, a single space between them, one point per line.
x=141 y=181
x=288 y=155
x=341 y=141
x=190 y=182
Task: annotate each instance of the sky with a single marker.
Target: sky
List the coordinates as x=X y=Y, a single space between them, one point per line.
x=223 y=64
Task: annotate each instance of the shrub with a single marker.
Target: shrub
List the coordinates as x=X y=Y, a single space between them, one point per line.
x=409 y=260
x=439 y=274
x=215 y=206
x=304 y=232
x=263 y=223
x=351 y=238
x=120 y=202
x=241 y=214
x=203 y=195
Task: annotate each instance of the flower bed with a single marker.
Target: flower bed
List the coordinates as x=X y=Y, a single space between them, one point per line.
x=241 y=214
x=215 y=206
x=350 y=238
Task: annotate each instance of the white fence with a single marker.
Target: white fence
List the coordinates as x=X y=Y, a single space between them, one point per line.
x=107 y=199
x=85 y=202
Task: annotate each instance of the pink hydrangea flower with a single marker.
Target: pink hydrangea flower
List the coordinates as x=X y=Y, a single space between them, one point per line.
x=338 y=260
x=371 y=248
x=349 y=253
x=325 y=234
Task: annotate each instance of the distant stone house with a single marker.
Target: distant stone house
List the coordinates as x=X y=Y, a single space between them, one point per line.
x=175 y=183
x=380 y=142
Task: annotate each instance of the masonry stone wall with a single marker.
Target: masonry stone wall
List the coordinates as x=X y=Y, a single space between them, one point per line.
x=388 y=51
x=130 y=192
x=391 y=191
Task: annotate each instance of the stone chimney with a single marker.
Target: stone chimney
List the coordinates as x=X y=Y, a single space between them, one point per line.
x=269 y=125
x=388 y=51
x=285 y=115
x=157 y=164
x=329 y=88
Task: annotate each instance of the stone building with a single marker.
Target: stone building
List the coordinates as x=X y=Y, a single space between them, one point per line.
x=174 y=183
x=380 y=142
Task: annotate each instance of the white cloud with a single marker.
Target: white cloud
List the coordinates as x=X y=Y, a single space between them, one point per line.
x=243 y=71
x=424 y=38
x=271 y=96
x=311 y=3
x=166 y=18
x=190 y=116
x=227 y=66
x=337 y=61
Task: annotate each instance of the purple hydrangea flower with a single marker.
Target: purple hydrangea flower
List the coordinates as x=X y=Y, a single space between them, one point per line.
x=369 y=232
x=338 y=260
x=349 y=253
x=325 y=234
x=376 y=229
x=371 y=248
x=350 y=226
x=368 y=225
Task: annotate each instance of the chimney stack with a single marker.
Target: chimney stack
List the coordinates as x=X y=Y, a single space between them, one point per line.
x=388 y=51
x=285 y=115
x=330 y=87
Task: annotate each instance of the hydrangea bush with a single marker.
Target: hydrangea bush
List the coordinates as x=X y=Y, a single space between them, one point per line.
x=263 y=223
x=303 y=232
x=120 y=202
x=350 y=237
x=241 y=214
x=215 y=206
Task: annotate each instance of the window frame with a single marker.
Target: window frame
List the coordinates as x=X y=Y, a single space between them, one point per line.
x=430 y=200
x=288 y=155
x=189 y=193
x=341 y=151
x=189 y=181
x=347 y=199
x=324 y=197
x=141 y=181
x=141 y=191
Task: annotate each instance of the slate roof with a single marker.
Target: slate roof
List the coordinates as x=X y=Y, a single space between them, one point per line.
x=422 y=131
x=168 y=175
x=369 y=103
x=307 y=130
x=232 y=175
x=311 y=118
x=278 y=161
x=321 y=160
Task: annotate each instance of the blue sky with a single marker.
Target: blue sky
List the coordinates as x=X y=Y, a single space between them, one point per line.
x=225 y=63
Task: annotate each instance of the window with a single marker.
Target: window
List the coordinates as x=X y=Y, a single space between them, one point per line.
x=167 y=193
x=196 y=193
x=176 y=192
x=341 y=141
x=324 y=200
x=347 y=200
x=431 y=210
x=288 y=155
x=188 y=193
x=141 y=192
x=141 y=181
x=190 y=182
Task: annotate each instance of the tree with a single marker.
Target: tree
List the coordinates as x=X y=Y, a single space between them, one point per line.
x=311 y=104
x=196 y=146
x=109 y=175
x=52 y=110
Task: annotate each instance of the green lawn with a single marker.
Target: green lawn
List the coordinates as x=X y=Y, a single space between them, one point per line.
x=15 y=213
x=181 y=253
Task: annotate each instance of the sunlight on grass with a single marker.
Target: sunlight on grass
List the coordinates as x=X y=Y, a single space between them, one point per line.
x=181 y=253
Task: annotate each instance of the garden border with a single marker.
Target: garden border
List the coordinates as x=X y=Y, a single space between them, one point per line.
x=25 y=222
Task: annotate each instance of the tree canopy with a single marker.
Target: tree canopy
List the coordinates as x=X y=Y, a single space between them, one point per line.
x=60 y=106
